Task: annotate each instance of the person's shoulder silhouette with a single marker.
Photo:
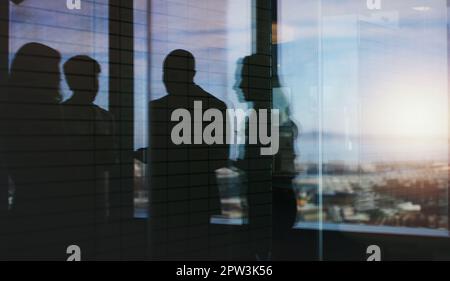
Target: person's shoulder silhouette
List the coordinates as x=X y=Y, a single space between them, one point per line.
x=93 y=147
x=36 y=143
x=82 y=76
x=90 y=127
x=178 y=77
x=179 y=71
x=33 y=110
x=184 y=185
x=254 y=87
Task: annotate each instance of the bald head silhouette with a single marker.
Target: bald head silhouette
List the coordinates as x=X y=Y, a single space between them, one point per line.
x=179 y=72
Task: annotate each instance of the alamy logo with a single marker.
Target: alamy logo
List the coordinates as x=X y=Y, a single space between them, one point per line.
x=374 y=4
x=214 y=132
x=374 y=253
x=73 y=4
x=75 y=253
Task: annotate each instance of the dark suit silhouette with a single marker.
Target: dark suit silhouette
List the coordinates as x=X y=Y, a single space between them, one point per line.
x=254 y=84
x=35 y=143
x=92 y=146
x=272 y=206
x=184 y=192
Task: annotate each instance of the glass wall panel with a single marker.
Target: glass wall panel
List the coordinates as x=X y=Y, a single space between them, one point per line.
x=368 y=84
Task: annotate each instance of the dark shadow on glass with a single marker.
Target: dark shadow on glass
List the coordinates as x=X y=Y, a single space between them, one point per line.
x=254 y=86
x=35 y=141
x=57 y=156
x=184 y=193
x=271 y=199
x=93 y=145
x=284 y=208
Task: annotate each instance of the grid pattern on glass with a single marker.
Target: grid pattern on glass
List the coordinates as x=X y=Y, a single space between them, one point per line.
x=383 y=113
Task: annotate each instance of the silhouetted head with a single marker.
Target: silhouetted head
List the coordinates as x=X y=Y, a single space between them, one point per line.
x=35 y=75
x=254 y=80
x=82 y=77
x=179 y=71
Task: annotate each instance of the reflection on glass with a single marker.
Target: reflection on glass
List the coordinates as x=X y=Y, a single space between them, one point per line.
x=72 y=32
x=369 y=88
x=59 y=136
x=218 y=34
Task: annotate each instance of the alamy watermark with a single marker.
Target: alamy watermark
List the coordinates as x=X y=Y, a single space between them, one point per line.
x=374 y=4
x=74 y=252
x=73 y=4
x=374 y=253
x=215 y=133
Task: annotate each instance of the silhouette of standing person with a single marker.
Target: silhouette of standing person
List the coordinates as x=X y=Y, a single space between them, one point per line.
x=184 y=191
x=35 y=143
x=254 y=84
x=91 y=136
x=284 y=201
